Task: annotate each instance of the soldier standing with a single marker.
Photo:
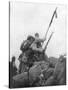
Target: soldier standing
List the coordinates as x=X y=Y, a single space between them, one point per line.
x=37 y=44
x=27 y=52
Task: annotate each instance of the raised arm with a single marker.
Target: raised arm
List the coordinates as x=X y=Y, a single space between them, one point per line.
x=40 y=40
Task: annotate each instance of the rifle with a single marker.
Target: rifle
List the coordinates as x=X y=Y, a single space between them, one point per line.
x=48 y=42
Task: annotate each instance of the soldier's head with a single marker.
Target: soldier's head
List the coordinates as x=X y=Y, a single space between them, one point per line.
x=36 y=35
x=30 y=38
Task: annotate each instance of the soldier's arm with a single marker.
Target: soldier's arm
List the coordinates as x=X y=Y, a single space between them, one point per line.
x=23 y=44
x=33 y=46
x=41 y=40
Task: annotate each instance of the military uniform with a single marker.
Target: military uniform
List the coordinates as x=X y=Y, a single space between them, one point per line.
x=27 y=52
x=38 y=50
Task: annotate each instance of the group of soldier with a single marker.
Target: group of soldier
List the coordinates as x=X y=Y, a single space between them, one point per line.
x=31 y=51
x=35 y=68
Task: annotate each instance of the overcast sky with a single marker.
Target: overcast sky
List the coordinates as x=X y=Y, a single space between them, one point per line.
x=29 y=18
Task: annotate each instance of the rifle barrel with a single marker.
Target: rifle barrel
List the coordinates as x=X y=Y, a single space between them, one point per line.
x=48 y=41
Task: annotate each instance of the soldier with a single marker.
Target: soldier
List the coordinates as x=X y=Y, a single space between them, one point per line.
x=23 y=63
x=27 y=52
x=26 y=43
x=37 y=44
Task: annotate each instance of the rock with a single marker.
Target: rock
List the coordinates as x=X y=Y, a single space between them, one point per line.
x=60 y=71
x=53 y=61
x=59 y=75
x=48 y=73
x=37 y=69
x=50 y=81
x=20 y=79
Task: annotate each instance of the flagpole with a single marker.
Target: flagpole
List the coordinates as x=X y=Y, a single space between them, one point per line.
x=51 y=21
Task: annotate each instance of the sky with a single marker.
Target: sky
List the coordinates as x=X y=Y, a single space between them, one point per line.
x=29 y=18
